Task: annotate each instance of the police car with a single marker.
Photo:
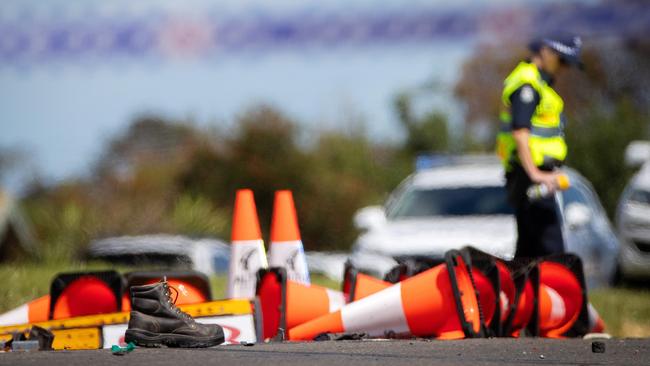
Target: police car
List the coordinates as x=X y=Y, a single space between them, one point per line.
x=452 y=202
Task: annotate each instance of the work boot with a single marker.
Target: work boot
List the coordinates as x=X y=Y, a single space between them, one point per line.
x=156 y=321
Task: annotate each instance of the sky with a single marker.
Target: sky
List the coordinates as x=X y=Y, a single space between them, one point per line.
x=75 y=73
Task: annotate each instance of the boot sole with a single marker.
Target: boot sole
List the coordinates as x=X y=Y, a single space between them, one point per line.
x=144 y=338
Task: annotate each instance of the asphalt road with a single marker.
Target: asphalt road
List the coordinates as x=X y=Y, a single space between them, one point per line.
x=338 y=353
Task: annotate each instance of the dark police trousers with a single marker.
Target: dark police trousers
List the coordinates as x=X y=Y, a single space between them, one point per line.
x=539 y=229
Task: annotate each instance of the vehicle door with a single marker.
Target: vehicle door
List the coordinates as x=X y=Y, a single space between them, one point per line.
x=588 y=232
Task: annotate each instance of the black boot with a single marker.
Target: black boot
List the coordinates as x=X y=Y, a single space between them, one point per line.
x=155 y=321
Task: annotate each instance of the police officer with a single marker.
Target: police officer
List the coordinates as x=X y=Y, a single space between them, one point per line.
x=531 y=142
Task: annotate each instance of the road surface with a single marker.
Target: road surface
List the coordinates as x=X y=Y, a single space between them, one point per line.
x=475 y=352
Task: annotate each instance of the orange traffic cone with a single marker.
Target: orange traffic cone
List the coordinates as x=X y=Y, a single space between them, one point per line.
x=596 y=323
x=487 y=296
x=439 y=302
x=286 y=248
x=560 y=299
x=357 y=285
x=37 y=310
x=494 y=286
x=286 y=304
x=507 y=293
x=524 y=303
x=555 y=286
x=247 y=254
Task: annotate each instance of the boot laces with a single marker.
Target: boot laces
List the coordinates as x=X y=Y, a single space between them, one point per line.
x=172 y=302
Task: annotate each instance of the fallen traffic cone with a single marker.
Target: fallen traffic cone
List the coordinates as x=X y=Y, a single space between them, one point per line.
x=522 y=308
x=286 y=248
x=491 y=277
x=596 y=323
x=37 y=310
x=563 y=306
x=247 y=254
x=560 y=299
x=357 y=285
x=286 y=304
x=506 y=293
x=440 y=302
x=410 y=267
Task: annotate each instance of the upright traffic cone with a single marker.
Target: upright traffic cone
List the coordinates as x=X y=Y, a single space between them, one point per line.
x=247 y=254
x=286 y=303
x=439 y=302
x=286 y=248
x=357 y=285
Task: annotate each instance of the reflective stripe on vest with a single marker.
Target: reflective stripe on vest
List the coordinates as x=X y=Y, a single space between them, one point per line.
x=537 y=131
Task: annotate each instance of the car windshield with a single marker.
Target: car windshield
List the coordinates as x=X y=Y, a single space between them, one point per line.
x=457 y=201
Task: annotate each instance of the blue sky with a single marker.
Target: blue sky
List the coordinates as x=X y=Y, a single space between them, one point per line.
x=61 y=110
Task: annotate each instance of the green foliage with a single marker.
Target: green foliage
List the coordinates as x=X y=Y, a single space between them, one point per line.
x=63 y=224
x=330 y=180
x=197 y=216
x=424 y=134
x=597 y=145
x=159 y=176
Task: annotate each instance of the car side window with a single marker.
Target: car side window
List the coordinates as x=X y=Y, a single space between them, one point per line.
x=574 y=194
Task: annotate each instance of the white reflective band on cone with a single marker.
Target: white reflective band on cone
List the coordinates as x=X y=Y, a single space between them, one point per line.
x=558 y=308
x=383 y=310
x=593 y=316
x=246 y=258
x=336 y=300
x=19 y=315
x=504 y=302
x=291 y=256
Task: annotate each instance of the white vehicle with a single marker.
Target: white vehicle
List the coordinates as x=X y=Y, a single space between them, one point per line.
x=463 y=202
x=207 y=255
x=633 y=215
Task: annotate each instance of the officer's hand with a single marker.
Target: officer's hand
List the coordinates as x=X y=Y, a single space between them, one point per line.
x=546 y=178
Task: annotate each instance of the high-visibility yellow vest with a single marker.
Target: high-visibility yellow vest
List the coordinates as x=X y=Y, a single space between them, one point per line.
x=546 y=134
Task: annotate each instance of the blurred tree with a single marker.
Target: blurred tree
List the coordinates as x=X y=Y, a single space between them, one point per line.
x=10 y=158
x=262 y=154
x=426 y=133
x=330 y=180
